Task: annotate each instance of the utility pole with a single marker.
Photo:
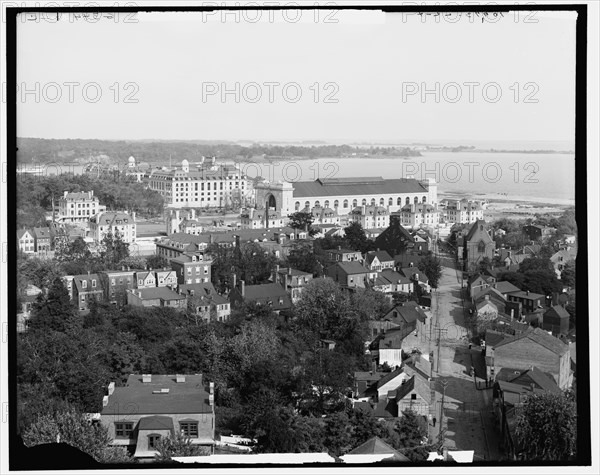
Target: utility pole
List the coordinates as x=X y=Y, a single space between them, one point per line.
x=444 y=383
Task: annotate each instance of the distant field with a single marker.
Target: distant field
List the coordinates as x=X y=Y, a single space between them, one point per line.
x=146 y=229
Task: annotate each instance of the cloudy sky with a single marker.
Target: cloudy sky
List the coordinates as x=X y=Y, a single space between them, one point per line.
x=345 y=76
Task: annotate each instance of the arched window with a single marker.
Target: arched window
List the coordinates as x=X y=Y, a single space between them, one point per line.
x=336 y=203
x=416 y=200
x=354 y=203
x=307 y=204
x=326 y=204
x=424 y=199
x=390 y=201
x=399 y=202
x=364 y=201
x=372 y=201
x=381 y=202
x=481 y=247
x=345 y=203
x=297 y=206
x=407 y=201
x=317 y=203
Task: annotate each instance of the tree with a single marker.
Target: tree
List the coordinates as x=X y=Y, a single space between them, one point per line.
x=432 y=268
x=53 y=311
x=408 y=435
x=113 y=250
x=356 y=237
x=157 y=262
x=338 y=433
x=547 y=427
x=73 y=428
x=302 y=257
x=568 y=274
x=484 y=265
x=302 y=220
x=178 y=446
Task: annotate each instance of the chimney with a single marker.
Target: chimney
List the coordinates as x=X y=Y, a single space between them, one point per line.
x=146 y=378
x=233 y=281
x=363 y=210
x=104 y=401
x=180 y=378
x=243 y=288
x=487 y=297
x=528 y=292
x=211 y=386
x=123 y=268
x=444 y=450
x=289 y=271
x=339 y=248
x=65 y=194
x=277 y=269
x=133 y=215
x=111 y=388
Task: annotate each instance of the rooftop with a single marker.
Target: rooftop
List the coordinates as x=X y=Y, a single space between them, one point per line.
x=356 y=186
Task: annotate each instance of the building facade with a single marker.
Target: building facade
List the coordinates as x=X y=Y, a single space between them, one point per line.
x=370 y=217
x=78 y=207
x=205 y=185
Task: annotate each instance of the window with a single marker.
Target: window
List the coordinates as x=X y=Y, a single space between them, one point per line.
x=84 y=284
x=317 y=203
x=189 y=428
x=416 y=200
x=354 y=203
x=112 y=281
x=413 y=397
x=407 y=200
x=297 y=206
x=345 y=203
x=424 y=199
x=307 y=204
x=382 y=202
x=391 y=201
x=336 y=204
x=93 y=282
x=123 y=429
x=372 y=201
x=326 y=204
x=481 y=247
x=152 y=440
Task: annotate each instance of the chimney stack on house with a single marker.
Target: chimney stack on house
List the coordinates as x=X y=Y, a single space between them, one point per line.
x=180 y=378
x=242 y=288
x=111 y=388
x=146 y=378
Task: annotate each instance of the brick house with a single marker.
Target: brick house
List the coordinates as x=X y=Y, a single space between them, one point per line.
x=192 y=269
x=293 y=280
x=534 y=347
x=156 y=297
x=395 y=239
x=43 y=240
x=529 y=300
x=85 y=288
x=204 y=300
x=535 y=231
x=116 y=283
x=150 y=407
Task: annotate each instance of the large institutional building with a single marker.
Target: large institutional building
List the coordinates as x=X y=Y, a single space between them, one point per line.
x=343 y=195
x=208 y=185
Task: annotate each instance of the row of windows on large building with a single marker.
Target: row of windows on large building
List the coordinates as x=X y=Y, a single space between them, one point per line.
x=345 y=203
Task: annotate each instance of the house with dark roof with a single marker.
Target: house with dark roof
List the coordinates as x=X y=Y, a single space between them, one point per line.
x=535 y=232
x=529 y=300
x=273 y=295
x=365 y=384
x=151 y=407
x=116 y=283
x=293 y=280
x=43 y=239
x=192 y=268
x=390 y=281
x=556 y=320
x=475 y=245
x=530 y=379
x=408 y=316
x=479 y=282
x=414 y=395
x=505 y=287
x=561 y=257
x=534 y=347
x=145 y=279
x=388 y=347
x=389 y=382
x=350 y=274
x=417 y=276
x=378 y=261
x=86 y=288
x=344 y=255
x=113 y=222
x=204 y=301
x=157 y=297
x=395 y=239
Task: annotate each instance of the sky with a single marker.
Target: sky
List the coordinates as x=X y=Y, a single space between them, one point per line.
x=167 y=76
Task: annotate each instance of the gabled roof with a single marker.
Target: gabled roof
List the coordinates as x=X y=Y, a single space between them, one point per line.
x=394 y=277
x=540 y=337
x=505 y=287
x=493 y=338
x=41 y=233
x=416 y=383
x=388 y=377
x=268 y=292
x=475 y=228
x=383 y=256
x=22 y=232
x=419 y=365
x=385 y=408
x=353 y=268
x=407 y=312
x=161 y=293
x=557 y=311
x=286 y=271
x=484 y=303
x=492 y=292
x=526 y=378
x=411 y=271
x=376 y=446
x=393 y=338
x=156 y=423
x=205 y=291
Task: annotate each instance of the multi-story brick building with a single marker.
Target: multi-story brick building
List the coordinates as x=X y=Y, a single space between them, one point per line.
x=370 y=217
x=86 y=288
x=415 y=215
x=293 y=280
x=205 y=185
x=463 y=211
x=192 y=269
x=157 y=297
x=43 y=240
